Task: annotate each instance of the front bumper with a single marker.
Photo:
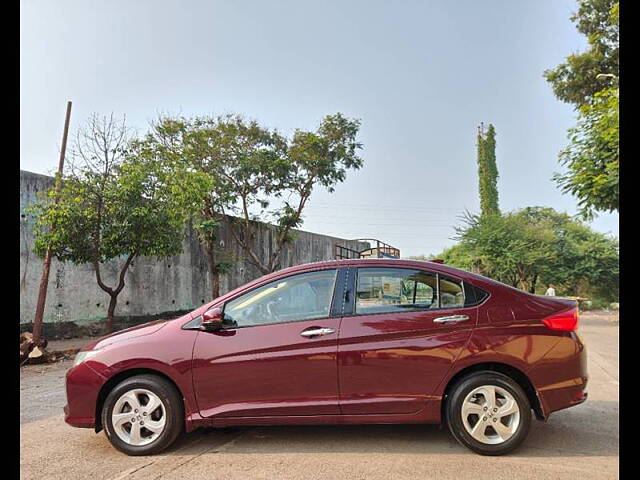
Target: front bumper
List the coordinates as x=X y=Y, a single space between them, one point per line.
x=83 y=387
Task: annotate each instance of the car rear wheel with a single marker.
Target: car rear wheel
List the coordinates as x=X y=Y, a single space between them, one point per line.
x=142 y=415
x=489 y=413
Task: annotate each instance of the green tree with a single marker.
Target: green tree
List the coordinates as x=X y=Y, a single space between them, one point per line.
x=487 y=171
x=592 y=157
x=585 y=262
x=115 y=203
x=308 y=160
x=252 y=166
x=506 y=247
x=460 y=256
x=532 y=247
x=575 y=80
x=244 y=160
x=589 y=81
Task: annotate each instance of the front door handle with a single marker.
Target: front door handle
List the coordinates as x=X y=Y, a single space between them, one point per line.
x=451 y=319
x=317 y=332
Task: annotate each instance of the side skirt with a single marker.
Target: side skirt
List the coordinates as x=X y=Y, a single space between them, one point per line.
x=429 y=414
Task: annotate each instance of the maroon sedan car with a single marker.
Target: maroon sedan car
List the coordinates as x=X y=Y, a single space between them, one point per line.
x=339 y=342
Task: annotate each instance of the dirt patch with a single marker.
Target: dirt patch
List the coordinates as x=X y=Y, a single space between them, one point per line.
x=42 y=390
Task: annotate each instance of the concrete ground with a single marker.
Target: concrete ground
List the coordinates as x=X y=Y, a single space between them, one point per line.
x=581 y=442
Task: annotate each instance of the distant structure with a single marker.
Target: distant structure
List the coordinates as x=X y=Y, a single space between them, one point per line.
x=380 y=250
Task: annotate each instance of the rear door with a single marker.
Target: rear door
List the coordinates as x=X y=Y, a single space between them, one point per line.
x=402 y=331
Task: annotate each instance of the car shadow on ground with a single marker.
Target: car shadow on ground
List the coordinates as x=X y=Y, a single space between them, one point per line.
x=572 y=432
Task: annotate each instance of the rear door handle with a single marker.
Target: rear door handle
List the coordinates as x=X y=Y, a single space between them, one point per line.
x=317 y=332
x=451 y=319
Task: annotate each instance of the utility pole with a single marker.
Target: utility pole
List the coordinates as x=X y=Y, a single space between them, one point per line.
x=44 y=281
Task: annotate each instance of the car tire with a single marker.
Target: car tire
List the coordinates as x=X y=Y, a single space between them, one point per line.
x=480 y=420
x=147 y=398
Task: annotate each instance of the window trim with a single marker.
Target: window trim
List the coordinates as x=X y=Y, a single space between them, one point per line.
x=335 y=286
x=476 y=302
x=437 y=274
x=193 y=324
x=340 y=293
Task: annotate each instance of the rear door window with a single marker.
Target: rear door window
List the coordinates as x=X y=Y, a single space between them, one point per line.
x=381 y=290
x=451 y=293
x=386 y=289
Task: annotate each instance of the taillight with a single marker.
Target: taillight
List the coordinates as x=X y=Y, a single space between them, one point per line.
x=566 y=321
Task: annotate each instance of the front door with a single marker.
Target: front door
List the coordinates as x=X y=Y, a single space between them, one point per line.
x=405 y=330
x=277 y=354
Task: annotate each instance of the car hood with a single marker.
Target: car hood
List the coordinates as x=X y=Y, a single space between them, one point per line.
x=127 y=334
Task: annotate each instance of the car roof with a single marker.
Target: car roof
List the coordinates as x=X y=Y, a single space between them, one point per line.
x=386 y=262
x=357 y=262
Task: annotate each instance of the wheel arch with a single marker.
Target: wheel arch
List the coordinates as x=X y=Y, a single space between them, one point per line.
x=123 y=375
x=510 y=371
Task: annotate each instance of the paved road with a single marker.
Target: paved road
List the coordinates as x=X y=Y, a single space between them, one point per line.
x=580 y=442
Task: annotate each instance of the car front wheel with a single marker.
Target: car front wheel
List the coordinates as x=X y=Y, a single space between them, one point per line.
x=489 y=413
x=142 y=415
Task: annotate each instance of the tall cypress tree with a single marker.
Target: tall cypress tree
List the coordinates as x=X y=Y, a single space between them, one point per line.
x=487 y=171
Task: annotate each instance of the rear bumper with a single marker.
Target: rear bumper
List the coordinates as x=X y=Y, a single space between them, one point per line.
x=561 y=377
x=559 y=397
x=83 y=385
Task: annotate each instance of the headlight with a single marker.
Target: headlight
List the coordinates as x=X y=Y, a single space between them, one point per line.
x=84 y=356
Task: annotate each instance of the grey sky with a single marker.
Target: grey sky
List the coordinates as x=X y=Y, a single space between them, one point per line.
x=421 y=75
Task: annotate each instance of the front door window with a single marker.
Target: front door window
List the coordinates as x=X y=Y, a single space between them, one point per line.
x=300 y=297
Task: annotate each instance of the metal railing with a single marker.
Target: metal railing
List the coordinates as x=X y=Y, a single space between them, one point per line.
x=380 y=250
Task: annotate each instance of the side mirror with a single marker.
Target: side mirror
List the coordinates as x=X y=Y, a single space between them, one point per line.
x=212 y=320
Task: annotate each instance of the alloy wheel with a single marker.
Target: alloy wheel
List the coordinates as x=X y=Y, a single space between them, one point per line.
x=490 y=414
x=138 y=417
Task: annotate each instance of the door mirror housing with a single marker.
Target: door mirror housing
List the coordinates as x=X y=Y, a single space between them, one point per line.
x=212 y=320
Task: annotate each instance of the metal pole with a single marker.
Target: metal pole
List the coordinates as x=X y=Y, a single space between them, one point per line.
x=44 y=281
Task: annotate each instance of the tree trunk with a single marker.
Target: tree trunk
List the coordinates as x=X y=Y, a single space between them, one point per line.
x=523 y=284
x=112 y=308
x=214 y=273
x=533 y=283
x=26 y=345
x=241 y=238
x=113 y=293
x=215 y=283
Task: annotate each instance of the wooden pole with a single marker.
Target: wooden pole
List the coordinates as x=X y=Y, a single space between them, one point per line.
x=44 y=281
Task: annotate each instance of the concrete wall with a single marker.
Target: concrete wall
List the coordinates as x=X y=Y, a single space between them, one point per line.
x=153 y=286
